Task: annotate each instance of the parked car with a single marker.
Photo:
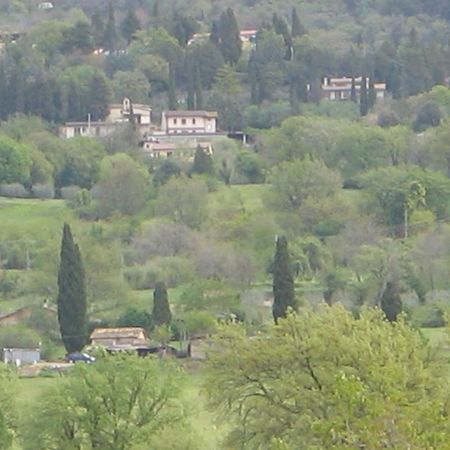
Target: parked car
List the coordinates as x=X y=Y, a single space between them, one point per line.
x=80 y=357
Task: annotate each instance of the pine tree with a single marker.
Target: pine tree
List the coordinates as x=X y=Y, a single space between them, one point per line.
x=353 y=96
x=198 y=89
x=110 y=36
x=172 y=90
x=203 y=163
x=283 y=281
x=391 y=303
x=71 y=294
x=129 y=25
x=161 y=314
x=230 y=41
x=363 y=100
x=297 y=27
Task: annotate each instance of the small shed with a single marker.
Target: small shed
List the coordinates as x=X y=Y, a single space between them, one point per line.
x=119 y=337
x=20 y=356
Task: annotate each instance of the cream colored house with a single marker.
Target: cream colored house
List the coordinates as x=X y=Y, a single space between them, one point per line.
x=122 y=113
x=335 y=88
x=189 y=122
x=184 y=150
x=86 y=129
x=119 y=337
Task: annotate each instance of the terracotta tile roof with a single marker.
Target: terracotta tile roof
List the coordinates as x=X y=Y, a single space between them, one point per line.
x=108 y=333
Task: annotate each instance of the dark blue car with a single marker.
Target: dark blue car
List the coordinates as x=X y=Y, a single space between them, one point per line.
x=80 y=357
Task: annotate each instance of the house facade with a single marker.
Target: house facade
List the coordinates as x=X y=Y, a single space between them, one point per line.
x=184 y=150
x=340 y=88
x=189 y=122
x=114 y=338
x=128 y=111
x=19 y=356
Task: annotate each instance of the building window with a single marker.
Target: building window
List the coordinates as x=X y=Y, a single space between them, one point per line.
x=183 y=121
x=193 y=121
x=174 y=121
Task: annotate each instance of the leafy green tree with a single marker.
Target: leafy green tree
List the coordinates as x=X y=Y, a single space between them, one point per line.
x=166 y=170
x=230 y=41
x=15 y=161
x=129 y=25
x=7 y=408
x=203 y=163
x=161 y=314
x=71 y=294
x=250 y=167
x=122 y=184
x=183 y=200
x=227 y=81
x=131 y=84
x=117 y=403
x=207 y=59
x=428 y=115
x=283 y=281
x=310 y=382
x=99 y=98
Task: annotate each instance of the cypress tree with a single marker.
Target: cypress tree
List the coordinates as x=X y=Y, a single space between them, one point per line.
x=129 y=25
x=353 y=96
x=171 y=90
x=391 y=303
x=297 y=27
x=71 y=294
x=214 y=37
x=98 y=27
x=110 y=36
x=198 y=89
x=363 y=100
x=283 y=281
x=230 y=40
x=372 y=96
x=203 y=163
x=190 y=101
x=161 y=314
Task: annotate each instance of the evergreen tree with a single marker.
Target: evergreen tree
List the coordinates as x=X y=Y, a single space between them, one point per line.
x=172 y=90
x=71 y=294
x=190 y=101
x=297 y=27
x=98 y=27
x=203 y=163
x=391 y=303
x=129 y=25
x=283 y=281
x=230 y=41
x=353 y=96
x=155 y=11
x=99 y=98
x=280 y=27
x=363 y=100
x=214 y=37
x=372 y=95
x=161 y=314
x=198 y=89
x=110 y=36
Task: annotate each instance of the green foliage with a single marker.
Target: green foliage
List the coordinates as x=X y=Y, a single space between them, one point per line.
x=229 y=40
x=71 y=294
x=122 y=184
x=391 y=303
x=249 y=167
x=118 y=403
x=133 y=317
x=15 y=161
x=161 y=314
x=283 y=281
x=311 y=382
x=428 y=115
x=7 y=411
x=183 y=200
x=203 y=163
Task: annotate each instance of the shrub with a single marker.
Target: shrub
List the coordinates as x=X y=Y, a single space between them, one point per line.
x=13 y=190
x=44 y=191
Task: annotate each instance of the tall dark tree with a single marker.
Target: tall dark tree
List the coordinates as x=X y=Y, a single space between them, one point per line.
x=171 y=91
x=100 y=97
x=129 y=25
x=297 y=28
x=98 y=27
x=363 y=98
x=190 y=101
x=280 y=27
x=372 y=94
x=214 y=37
x=353 y=95
x=161 y=314
x=230 y=40
x=155 y=10
x=110 y=37
x=71 y=294
x=283 y=281
x=391 y=303
x=203 y=163
x=198 y=89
